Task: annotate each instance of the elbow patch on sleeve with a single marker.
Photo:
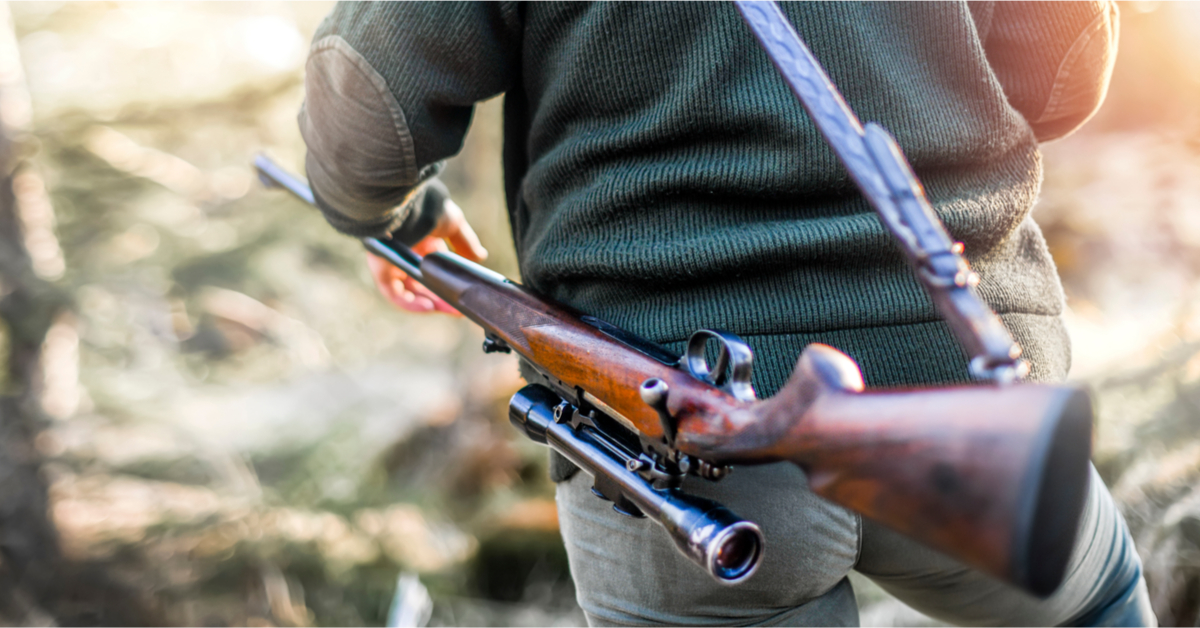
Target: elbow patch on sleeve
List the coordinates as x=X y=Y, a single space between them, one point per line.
x=1082 y=79
x=360 y=159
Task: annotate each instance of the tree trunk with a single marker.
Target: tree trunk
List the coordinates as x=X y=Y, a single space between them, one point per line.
x=29 y=551
x=37 y=585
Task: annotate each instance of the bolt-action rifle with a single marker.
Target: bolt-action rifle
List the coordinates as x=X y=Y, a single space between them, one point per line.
x=994 y=475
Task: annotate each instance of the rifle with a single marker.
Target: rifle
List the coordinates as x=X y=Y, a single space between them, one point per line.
x=993 y=475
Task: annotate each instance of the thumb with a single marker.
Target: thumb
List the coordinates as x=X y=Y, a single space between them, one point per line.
x=454 y=228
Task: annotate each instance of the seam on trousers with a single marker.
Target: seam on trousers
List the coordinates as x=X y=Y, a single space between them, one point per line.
x=612 y=611
x=858 y=540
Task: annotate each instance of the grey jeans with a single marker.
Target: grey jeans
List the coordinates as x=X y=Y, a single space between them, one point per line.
x=627 y=572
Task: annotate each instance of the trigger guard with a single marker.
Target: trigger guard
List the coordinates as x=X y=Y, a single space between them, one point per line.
x=734 y=353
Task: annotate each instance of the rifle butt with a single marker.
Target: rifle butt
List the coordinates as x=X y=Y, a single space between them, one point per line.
x=996 y=477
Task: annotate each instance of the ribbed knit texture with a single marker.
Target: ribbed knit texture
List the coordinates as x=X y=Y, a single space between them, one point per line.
x=662 y=177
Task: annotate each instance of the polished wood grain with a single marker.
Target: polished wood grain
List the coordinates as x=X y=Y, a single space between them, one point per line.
x=995 y=477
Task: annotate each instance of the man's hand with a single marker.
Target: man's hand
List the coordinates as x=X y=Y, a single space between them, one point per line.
x=403 y=291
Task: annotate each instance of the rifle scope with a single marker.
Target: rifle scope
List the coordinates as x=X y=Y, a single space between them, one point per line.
x=728 y=547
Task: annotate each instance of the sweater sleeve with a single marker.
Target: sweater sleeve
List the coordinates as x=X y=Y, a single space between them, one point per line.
x=389 y=93
x=1053 y=59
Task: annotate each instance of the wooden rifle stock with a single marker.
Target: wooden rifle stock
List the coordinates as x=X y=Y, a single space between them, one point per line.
x=993 y=476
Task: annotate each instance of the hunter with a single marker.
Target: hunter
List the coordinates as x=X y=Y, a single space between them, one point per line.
x=661 y=177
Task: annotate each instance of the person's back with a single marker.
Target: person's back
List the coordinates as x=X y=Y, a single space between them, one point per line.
x=657 y=167
x=661 y=177
x=671 y=180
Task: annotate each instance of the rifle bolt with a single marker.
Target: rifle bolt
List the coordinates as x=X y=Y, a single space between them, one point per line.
x=654 y=392
x=635 y=465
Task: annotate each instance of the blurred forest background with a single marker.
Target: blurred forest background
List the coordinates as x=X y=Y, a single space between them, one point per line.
x=209 y=417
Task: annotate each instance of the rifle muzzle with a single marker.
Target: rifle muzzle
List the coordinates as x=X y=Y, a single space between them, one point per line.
x=728 y=547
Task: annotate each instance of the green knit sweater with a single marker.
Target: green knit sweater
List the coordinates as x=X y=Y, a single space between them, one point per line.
x=661 y=176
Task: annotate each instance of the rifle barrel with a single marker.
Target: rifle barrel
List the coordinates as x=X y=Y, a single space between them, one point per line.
x=399 y=255
x=273 y=176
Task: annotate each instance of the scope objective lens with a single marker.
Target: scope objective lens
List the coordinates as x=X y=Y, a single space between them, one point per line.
x=737 y=554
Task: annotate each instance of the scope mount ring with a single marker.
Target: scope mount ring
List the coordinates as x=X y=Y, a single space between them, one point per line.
x=733 y=356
